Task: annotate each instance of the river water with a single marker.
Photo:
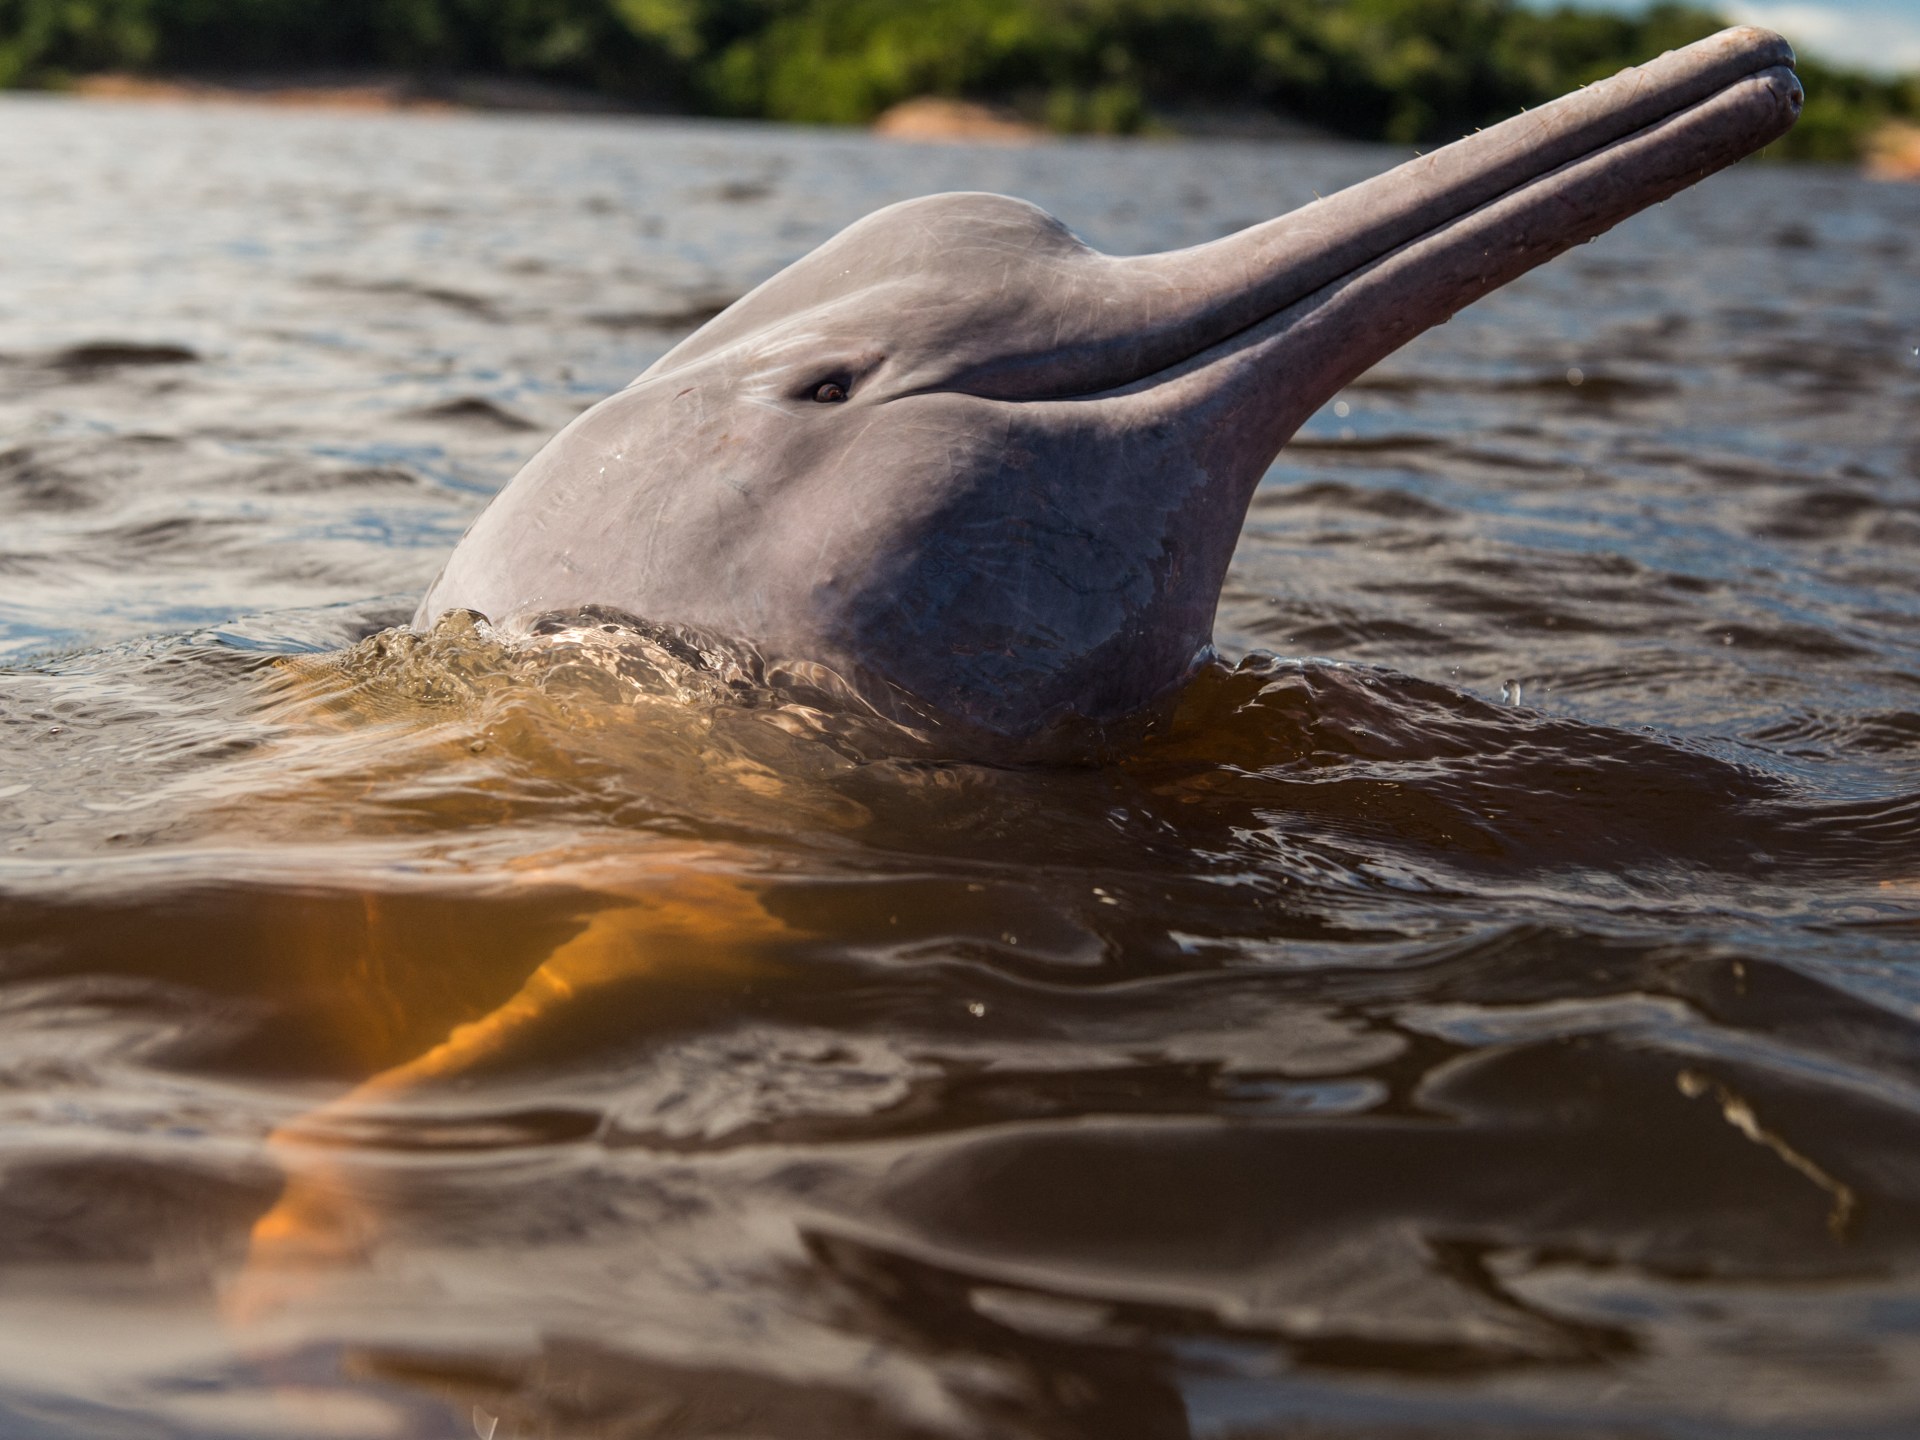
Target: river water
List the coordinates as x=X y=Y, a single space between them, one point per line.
x=1488 y=1006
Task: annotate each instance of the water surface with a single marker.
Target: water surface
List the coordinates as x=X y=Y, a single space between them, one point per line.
x=1489 y=1005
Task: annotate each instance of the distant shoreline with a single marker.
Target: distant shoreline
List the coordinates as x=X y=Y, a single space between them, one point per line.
x=1400 y=72
x=926 y=118
x=1892 y=153
x=371 y=90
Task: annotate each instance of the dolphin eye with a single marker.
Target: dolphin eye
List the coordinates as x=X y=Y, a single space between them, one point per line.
x=830 y=392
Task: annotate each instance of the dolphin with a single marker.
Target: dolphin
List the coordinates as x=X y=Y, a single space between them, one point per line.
x=992 y=478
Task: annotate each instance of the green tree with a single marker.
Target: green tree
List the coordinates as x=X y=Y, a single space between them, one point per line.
x=45 y=40
x=1410 y=71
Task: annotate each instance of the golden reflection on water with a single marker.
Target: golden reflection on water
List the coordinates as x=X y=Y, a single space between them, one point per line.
x=575 y=979
x=665 y=912
x=440 y=732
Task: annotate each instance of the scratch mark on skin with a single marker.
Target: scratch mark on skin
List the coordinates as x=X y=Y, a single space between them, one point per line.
x=645 y=560
x=828 y=536
x=1739 y=1114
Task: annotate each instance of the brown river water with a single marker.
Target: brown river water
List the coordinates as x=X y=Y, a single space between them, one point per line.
x=1489 y=1005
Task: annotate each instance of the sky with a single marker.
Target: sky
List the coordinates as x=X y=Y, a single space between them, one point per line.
x=1882 y=35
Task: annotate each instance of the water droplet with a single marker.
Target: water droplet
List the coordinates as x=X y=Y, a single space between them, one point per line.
x=1342 y=409
x=976 y=1009
x=1575 y=375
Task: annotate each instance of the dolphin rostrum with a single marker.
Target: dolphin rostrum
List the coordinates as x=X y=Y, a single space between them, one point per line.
x=962 y=460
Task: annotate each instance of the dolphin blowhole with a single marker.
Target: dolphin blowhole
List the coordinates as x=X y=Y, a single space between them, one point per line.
x=977 y=469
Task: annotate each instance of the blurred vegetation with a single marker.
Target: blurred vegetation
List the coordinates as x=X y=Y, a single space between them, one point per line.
x=1409 y=71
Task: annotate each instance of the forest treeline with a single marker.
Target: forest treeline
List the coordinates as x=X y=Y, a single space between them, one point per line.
x=1409 y=71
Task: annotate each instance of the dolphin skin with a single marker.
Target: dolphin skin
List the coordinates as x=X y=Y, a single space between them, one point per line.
x=992 y=478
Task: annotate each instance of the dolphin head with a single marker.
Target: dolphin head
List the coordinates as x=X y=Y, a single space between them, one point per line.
x=955 y=454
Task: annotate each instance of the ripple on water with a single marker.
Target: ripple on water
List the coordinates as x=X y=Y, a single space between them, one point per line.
x=406 y=1034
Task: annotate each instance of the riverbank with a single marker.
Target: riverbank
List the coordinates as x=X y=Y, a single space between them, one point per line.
x=1892 y=152
x=1895 y=153
x=351 y=90
x=925 y=118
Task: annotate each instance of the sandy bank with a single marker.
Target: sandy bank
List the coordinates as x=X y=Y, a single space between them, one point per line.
x=350 y=91
x=933 y=117
x=1894 y=153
